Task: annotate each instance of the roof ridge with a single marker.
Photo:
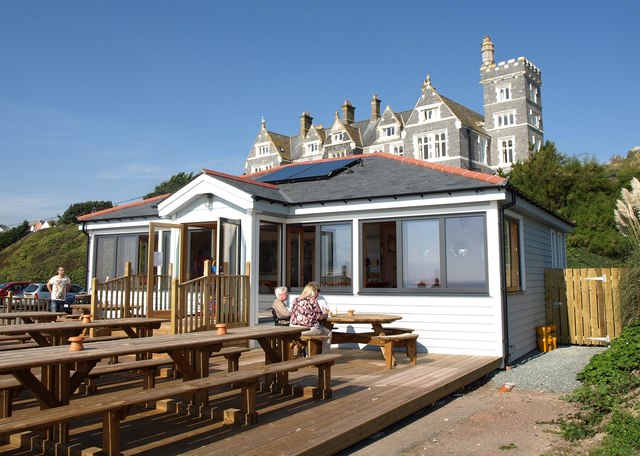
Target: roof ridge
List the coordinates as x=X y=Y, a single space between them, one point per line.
x=477 y=175
x=123 y=206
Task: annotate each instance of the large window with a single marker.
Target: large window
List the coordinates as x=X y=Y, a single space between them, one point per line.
x=269 y=276
x=512 y=254
x=506 y=150
x=505 y=119
x=439 y=252
x=112 y=252
x=320 y=253
x=433 y=145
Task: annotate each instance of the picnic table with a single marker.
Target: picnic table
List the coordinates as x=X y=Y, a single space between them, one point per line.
x=63 y=371
x=384 y=337
x=31 y=317
x=57 y=333
x=375 y=320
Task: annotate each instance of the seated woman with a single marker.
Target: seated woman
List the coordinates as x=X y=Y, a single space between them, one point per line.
x=306 y=312
x=282 y=311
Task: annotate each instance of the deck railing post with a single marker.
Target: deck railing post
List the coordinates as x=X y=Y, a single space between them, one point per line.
x=175 y=311
x=126 y=311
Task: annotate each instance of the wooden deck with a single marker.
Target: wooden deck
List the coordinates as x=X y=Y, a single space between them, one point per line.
x=366 y=399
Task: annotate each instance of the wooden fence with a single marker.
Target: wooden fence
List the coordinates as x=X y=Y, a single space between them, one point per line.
x=584 y=304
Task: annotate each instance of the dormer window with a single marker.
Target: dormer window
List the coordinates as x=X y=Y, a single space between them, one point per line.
x=338 y=137
x=389 y=131
x=430 y=113
x=503 y=93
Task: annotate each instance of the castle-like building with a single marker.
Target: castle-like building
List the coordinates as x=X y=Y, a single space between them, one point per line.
x=437 y=129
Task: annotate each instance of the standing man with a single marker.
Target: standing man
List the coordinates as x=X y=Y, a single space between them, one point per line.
x=58 y=286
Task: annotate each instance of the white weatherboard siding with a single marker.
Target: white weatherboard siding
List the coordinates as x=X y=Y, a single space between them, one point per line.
x=526 y=310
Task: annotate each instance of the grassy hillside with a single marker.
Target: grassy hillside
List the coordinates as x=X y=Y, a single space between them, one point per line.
x=37 y=256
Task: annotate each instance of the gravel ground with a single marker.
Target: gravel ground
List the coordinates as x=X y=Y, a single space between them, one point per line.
x=554 y=371
x=480 y=420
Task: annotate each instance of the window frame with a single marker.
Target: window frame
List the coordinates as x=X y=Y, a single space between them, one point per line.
x=313 y=233
x=432 y=145
x=511 y=149
x=262 y=149
x=388 y=131
x=504 y=92
x=400 y=260
x=338 y=137
x=513 y=248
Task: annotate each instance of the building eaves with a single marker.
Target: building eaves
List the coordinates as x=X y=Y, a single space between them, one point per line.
x=137 y=210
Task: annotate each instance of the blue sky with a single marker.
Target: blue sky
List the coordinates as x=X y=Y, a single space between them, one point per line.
x=103 y=100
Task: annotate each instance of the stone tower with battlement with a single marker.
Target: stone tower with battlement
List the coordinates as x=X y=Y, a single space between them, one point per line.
x=512 y=106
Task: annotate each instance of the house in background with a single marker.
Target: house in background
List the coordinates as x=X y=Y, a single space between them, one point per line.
x=38 y=225
x=459 y=254
x=436 y=129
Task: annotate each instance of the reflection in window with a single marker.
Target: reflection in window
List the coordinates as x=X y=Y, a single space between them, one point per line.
x=380 y=255
x=269 y=272
x=512 y=254
x=466 y=253
x=421 y=253
x=331 y=245
x=438 y=252
x=335 y=256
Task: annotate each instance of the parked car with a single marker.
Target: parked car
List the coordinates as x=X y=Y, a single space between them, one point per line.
x=13 y=287
x=40 y=291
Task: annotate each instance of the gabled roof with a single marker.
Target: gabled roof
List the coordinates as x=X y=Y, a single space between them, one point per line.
x=468 y=117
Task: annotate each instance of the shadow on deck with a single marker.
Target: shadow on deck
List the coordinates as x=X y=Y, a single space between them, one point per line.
x=366 y=399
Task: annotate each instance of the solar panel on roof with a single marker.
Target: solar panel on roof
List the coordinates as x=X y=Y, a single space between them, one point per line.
x=308 y=171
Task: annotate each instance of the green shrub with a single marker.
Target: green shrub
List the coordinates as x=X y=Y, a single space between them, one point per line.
x=611 y=382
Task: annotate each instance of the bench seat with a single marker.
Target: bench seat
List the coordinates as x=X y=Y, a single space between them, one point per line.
x=114 y=406
x=313 y=343
x=407 y=340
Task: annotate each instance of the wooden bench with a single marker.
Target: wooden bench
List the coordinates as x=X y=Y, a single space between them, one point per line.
x=408 y=340
x=149 y=367
x=15 y=337
x=114 y=406
x=313 y=343
x=391 y=330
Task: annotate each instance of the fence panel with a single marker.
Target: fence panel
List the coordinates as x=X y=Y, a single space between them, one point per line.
x=584 y=304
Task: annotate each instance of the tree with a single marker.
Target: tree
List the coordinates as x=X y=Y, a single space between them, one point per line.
x=77 y=209
x=13 y=235
x=174 y=183
x=582 y=191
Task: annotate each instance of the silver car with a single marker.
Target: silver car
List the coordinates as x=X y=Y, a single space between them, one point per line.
x=40 y=291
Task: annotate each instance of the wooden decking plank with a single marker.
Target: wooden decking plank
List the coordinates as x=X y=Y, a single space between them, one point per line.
x=331 y=426
x=366 y=416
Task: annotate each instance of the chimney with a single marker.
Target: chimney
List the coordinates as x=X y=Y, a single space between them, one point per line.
x=375 y=107
x=487 y=53
x=305 y=123
x=348 y=112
